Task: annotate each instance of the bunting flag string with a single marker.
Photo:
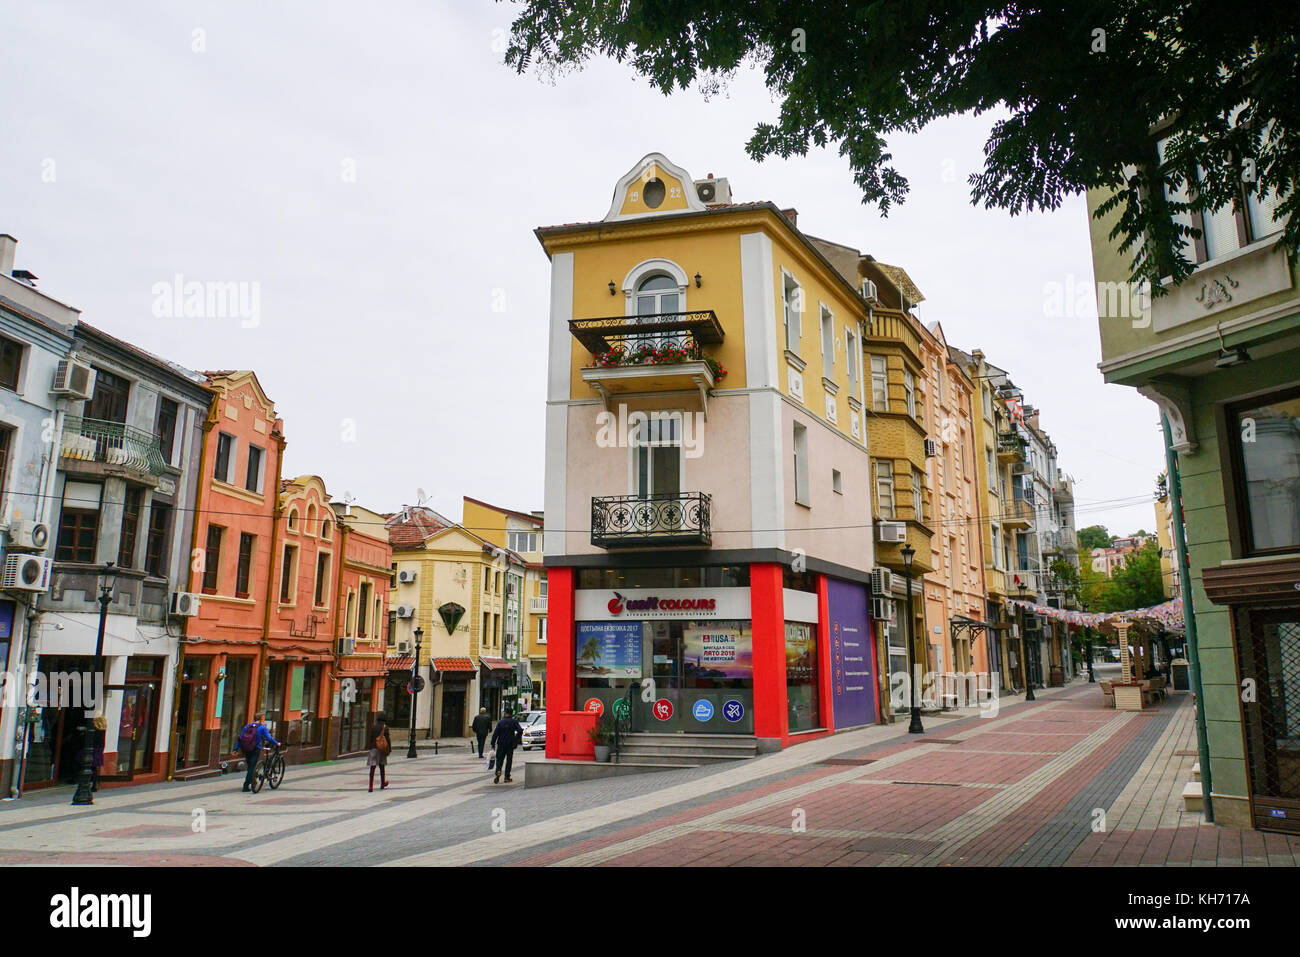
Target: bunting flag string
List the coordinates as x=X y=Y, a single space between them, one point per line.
x=1168 y=615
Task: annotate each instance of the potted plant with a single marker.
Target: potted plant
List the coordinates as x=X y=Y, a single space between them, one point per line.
x=601 y=733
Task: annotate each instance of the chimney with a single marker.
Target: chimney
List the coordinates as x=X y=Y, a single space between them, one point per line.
x=8 y=247
x=792 y=215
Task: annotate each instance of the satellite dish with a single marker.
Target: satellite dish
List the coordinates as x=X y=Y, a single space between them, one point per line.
x=421 y=495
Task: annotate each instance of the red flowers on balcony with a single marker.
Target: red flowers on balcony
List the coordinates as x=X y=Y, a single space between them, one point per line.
x=669 y=352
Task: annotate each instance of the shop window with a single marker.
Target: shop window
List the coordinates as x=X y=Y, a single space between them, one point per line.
x=277 y=679
x=168 y=413
x=287 y=574
x=802 y=685
x=1266 y=444
x=234 y=701
x=311 y=724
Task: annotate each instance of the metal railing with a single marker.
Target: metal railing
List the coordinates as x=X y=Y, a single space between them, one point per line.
x=537 y=604
x=112 y=443
x=600 y=336
x=683 y=518
x=1011 y=443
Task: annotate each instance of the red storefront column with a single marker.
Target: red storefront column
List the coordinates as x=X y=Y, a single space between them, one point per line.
x=825 y=656
x=561 y=656
x=767 y=611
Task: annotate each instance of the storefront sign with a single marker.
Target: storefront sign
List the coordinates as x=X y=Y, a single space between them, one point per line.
x=703 y=710
x=602 y=604
x=852 y=662
x=594 y=705
x=609 y=649
x=733 y=710
x=663 y=709
x=7 y=610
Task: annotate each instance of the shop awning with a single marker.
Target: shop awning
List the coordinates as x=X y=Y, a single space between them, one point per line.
x=495 y=664
x=454 y=665
x=400 y=663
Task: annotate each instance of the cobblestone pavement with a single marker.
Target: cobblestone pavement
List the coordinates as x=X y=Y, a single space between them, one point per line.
x=1060 y=781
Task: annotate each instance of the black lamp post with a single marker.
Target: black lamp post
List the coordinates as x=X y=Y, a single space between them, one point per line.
x=1024 y=647
x=86 y=774
x=1087 y=643
x=415 y=689
x=915 y=727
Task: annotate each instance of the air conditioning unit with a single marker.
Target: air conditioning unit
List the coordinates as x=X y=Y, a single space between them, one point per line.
x=347 y=646
x=23 y=536
x=882 y=609
x=892 y=532
x=869 y=290
x=403 y=647
x=713 y=192
x=185 y=604
x=26 y=573
x=882 y=581
x=931 y=448
x=74 y=379
x=405 y=611
x=405 y=577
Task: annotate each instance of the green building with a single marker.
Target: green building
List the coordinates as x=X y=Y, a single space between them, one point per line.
x=1220 y=357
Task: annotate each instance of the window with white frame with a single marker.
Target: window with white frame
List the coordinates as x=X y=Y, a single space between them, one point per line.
x=909 y=387
x=918 y=495
x=879 y=384
x=851 y=360
x=885 y=488
x=521 y=541
x=792 y=298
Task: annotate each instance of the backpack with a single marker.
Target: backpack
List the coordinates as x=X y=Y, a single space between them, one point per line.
x=248 y=738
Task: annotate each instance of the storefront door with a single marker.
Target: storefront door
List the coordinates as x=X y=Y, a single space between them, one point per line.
x=54 y=741
x=453 y=711
x=191 y=709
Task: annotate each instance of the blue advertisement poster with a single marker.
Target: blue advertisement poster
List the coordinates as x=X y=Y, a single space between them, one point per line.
x=609 y=649
x=7 y=610
x=852 y=660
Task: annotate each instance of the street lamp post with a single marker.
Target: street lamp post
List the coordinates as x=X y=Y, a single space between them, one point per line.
x=415 y=690
x=915 y=727
x=1087 y=641
x=86 y=774
x=1024 y=647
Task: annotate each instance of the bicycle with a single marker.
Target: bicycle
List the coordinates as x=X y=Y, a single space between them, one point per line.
x=269 y=771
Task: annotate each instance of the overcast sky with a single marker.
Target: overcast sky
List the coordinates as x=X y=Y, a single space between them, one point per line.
x=377 y=171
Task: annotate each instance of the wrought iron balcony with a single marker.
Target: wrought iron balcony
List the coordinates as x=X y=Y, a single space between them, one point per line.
x=689 y=329
x=112 y=443
x=647 y=354
x=623 y=521
x=1011 y=446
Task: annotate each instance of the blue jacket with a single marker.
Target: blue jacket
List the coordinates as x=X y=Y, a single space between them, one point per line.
x=263 y=736
x=508 y=733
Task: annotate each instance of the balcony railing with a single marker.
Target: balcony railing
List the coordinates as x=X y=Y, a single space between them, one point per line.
x=689 y=329
x=537 y=604
x=620 y=521
x=112 y=443
x=1011 y=445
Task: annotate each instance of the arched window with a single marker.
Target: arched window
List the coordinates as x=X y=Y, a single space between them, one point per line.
x=656 y=295
x=325 y=529
x=311 y=519
x=293 y=520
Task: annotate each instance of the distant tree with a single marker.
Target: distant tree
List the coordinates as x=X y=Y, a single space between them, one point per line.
x=1137 y=584
x=1081 y=82
x=1094 y=536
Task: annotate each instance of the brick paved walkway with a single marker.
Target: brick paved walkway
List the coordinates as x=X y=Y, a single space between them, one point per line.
x=1060 y=781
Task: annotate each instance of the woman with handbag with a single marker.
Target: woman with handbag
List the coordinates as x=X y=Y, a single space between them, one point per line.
x=380 y=745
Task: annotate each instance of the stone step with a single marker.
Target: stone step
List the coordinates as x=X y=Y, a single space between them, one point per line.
x=704 y=747
x=687 y=759
x=1196 y=771
x=651 y=737
x=1193 y=800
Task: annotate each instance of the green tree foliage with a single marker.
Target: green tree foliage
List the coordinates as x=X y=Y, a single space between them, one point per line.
x=1094 y=536
x=1138 y=584
x=1076 y=86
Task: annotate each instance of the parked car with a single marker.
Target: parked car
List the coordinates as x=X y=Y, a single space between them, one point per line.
x=535 y=733
x=528 y=717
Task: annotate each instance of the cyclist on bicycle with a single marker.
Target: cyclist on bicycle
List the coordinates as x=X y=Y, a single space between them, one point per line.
x=252 y=739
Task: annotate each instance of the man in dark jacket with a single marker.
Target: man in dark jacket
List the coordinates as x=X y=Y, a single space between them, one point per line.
x=481 y=726
x=507 y=735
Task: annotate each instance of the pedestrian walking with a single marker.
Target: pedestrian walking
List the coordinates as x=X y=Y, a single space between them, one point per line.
x=508 y=734
x=380 y=746
x=482 y=727
x=251 y=739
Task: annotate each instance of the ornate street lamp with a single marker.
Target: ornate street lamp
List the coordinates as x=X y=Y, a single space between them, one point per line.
x=416 y=680
x=86 y=774
x=915 y=727
x=1024 y=647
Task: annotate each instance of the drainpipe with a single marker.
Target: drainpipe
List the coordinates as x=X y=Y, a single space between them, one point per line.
x=1185 y=590
x=340 y=624
x=263 y=665
x=189 y=586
